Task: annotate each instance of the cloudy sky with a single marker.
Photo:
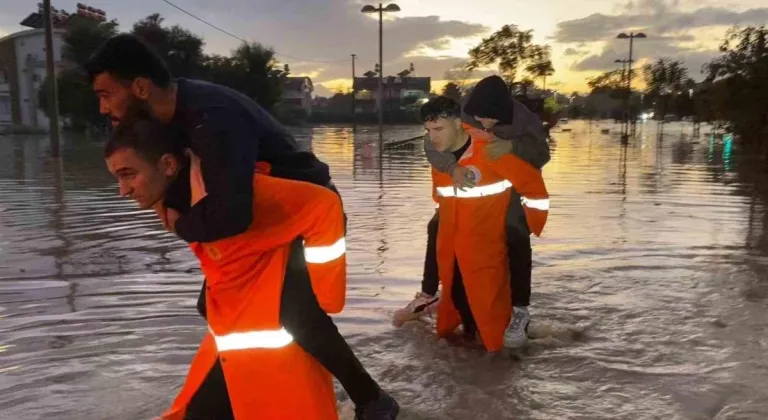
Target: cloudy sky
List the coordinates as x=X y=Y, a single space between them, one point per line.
x=316 y=37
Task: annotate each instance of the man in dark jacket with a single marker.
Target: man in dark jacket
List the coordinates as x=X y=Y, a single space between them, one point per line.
x=229 y=132
x=517 y=130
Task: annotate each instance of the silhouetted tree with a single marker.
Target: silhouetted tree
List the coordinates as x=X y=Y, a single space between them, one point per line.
x=510 y=49
x=452 y=91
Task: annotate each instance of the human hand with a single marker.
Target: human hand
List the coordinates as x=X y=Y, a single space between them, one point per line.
x=196 y=181
x=498 y=147
x=461 y=178
x=171 y=217
x=162 y=214
x=167 y=216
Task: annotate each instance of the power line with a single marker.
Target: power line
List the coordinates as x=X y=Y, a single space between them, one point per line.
x=243 y=40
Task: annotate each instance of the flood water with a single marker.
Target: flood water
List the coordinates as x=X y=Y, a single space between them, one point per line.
x=649 y=294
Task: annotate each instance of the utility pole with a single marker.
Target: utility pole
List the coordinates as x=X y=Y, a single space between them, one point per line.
x=631 y=37
x=53 y=94
x=381 y=76
x=354 y=112
x=630 y=115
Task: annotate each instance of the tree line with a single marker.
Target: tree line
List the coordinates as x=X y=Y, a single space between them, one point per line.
x=510 y=50
x=251 y=68
x=733 y=94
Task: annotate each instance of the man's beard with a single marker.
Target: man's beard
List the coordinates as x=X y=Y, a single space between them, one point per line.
x=137 y=109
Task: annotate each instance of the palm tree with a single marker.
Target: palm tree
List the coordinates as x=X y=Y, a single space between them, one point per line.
x=665 y=80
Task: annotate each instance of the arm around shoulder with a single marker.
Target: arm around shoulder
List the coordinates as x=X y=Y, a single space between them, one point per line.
x=442 y=161
x=227 y=151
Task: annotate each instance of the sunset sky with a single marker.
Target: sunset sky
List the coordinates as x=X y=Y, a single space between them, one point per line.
x=317 y=37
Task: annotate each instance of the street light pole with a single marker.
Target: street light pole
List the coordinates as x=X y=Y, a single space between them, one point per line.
x=381 y=79
x=354 y=120
x=623 y=82
x=623 y=68
x=629 y=83
x=50 y=67
x=380 y=10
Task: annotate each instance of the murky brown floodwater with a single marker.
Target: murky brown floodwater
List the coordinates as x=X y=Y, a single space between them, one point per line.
x=650 y=291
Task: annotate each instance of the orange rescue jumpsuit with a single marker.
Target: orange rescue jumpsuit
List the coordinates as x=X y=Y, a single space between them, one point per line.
x=268 y=376
x=471 y=230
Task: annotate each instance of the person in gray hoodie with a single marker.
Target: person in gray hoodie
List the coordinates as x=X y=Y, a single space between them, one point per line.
x=517 y=130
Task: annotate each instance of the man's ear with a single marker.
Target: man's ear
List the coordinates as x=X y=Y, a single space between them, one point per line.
x=169 y=164
x=140 y=88
x=457 y=123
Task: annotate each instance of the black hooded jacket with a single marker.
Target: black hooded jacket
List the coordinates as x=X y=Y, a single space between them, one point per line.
x=491 y=99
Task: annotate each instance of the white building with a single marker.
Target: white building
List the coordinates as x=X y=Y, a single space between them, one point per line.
x=297 y=94
x=22 y=72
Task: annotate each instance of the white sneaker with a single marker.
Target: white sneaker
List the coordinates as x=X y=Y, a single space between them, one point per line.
x=421 y=304
x=517 y=332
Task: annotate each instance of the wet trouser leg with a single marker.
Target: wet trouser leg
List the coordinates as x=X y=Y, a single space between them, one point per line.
x=519 y=253
x=315 y=331
x=430 y=280
x=520 y=265
x=461 y=302
x=211 y=401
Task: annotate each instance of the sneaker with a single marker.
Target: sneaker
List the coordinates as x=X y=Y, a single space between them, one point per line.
x=517 y=332
x=384 y=408
x=422 y=304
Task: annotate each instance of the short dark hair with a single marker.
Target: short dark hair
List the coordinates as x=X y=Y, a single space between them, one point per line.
x=127 y=57
x=440 y=107
x=150 y=138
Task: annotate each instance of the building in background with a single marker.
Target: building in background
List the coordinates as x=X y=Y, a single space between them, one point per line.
x=297 y=95
x=22 y=73
x=22 y=64
x=400 y=92
x=5 y=98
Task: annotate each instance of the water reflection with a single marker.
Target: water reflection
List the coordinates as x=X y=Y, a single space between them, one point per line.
x=727 y=151
x=649 y=284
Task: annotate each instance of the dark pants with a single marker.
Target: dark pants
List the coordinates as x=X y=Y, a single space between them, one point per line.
x=211 y=401
x=461 y=302
x=518 y=250
x=311 y=328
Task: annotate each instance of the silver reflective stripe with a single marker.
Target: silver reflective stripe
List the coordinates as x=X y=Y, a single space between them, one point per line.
x=474 y=192
x=324 y=254
x=262 y=339
x=540 y=204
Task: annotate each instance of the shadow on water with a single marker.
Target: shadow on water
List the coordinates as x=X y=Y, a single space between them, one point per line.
x=649 y=284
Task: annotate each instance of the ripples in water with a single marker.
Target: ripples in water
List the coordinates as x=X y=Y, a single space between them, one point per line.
x=649 y=287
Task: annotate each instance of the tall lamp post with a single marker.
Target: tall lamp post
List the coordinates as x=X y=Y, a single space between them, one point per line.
x=380 y=10
x=623 y=81
x=50 y=70
x=631 y=37
x=623 y=67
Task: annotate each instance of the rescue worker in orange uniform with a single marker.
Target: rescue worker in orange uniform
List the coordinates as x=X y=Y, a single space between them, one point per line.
x=248 y=366
x=490 y=107
x=471 y=238
x=230 y=132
